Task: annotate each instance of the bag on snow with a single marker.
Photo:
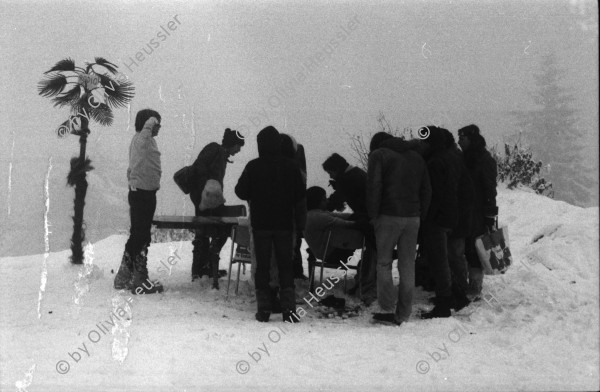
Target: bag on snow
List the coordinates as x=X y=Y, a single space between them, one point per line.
x=494 y=252
x=184 y=179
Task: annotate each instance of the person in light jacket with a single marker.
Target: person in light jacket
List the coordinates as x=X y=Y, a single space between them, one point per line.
x=143 y=176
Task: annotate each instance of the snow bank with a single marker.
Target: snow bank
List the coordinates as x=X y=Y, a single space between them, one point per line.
x=536 y=329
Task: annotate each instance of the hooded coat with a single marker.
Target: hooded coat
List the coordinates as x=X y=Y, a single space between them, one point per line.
x=483 y=170
x=273 y=187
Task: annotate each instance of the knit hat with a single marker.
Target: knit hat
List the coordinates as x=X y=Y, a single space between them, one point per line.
x=231 y=138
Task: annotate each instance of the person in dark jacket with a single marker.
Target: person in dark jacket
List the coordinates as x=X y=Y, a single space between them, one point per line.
x=442 y=216
x=274 y=188
x=210 y=167
x=483 y=171
x=398 y=198
x=456 y=239
x=350 y=186
x=143 y=176
x=295 y=151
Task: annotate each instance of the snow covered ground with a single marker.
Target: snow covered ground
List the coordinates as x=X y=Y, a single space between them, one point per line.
x=537 y=331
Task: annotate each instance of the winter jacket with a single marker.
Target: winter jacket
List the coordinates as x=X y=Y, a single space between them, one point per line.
x=210 y=165
x=398 y=183
x=465 y=196
x=144 y=159
x=273 y=187
x=483 y=170
x=318 y=224
x=351 y=188
x=443 y=210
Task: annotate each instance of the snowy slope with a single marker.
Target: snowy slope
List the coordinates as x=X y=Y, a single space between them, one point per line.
x=537 y=331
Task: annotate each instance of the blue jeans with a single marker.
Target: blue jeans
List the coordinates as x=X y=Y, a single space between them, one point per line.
x=391 y=231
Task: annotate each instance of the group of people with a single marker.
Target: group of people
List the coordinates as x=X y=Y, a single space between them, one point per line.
x=426 y=194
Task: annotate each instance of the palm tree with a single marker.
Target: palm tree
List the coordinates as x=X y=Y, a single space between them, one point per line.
x=91 y=92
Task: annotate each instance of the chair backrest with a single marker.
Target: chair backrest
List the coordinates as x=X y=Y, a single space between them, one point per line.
x=346 y=239
x=242 y=235
x=233 y=211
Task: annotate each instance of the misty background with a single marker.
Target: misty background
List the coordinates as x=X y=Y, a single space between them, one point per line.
x=441 y=62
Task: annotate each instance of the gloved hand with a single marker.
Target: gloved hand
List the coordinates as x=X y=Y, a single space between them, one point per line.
x=490 y=223
x=333 y=184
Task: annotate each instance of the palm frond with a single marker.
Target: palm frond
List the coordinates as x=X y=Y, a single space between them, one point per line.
x=102 y=114
x=52 y=85
x=106 y=64
x=67 y=64
x=118 y=94
x=68 y=98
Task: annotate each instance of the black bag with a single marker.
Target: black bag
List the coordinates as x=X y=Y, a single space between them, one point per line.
x=184 y=178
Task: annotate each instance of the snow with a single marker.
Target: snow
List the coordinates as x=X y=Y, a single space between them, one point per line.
x=537 y=329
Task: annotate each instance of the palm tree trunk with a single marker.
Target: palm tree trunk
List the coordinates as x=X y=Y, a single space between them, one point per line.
x=80 y=192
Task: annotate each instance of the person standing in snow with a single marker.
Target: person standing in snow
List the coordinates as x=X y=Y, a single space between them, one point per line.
x=143 y=176
x=483 y=171
x=398 y=198
x=209 y=172
x=275 y=190
x=295 y=151
x=442 y=217
x=350 y=186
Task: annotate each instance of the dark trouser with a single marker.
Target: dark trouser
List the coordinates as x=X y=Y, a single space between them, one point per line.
x=208 y=243
x=368 y=265
x=298 y=269
x=281 y=243
x=458 y=264
x=471 y=253
x=142 y=205
x=435 y=241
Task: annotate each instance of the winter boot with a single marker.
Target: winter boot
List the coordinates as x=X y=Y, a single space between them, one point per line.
x=262 y=316
x=199 y=260
x=459 y=298
x=440 y=310
x=123 y=279
x=475 y=283
x=290 y=316
x=141 y=281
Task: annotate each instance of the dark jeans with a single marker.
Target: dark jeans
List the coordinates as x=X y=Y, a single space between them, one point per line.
x=280 y=242
x=458 y=264
x=208 y=243
x=142 y=205
x=435 y=243
x=298 y=269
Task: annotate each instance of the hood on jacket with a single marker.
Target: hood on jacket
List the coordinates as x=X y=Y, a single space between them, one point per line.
x=396 y=144
x=269 y=142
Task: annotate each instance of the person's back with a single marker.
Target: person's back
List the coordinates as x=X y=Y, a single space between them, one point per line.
x=274 y=188
x=401 y=187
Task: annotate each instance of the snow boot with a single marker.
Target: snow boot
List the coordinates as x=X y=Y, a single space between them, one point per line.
x=199 y=260
x=141 y=282
x=475 y=283
x=440 y=310
x=385 y=318
x=459 y=298
x=262 y=316
x=290 y=316
x=124 y=277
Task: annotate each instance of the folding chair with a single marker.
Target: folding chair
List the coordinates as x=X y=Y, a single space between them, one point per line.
x=351 y=239
x=240 y=236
